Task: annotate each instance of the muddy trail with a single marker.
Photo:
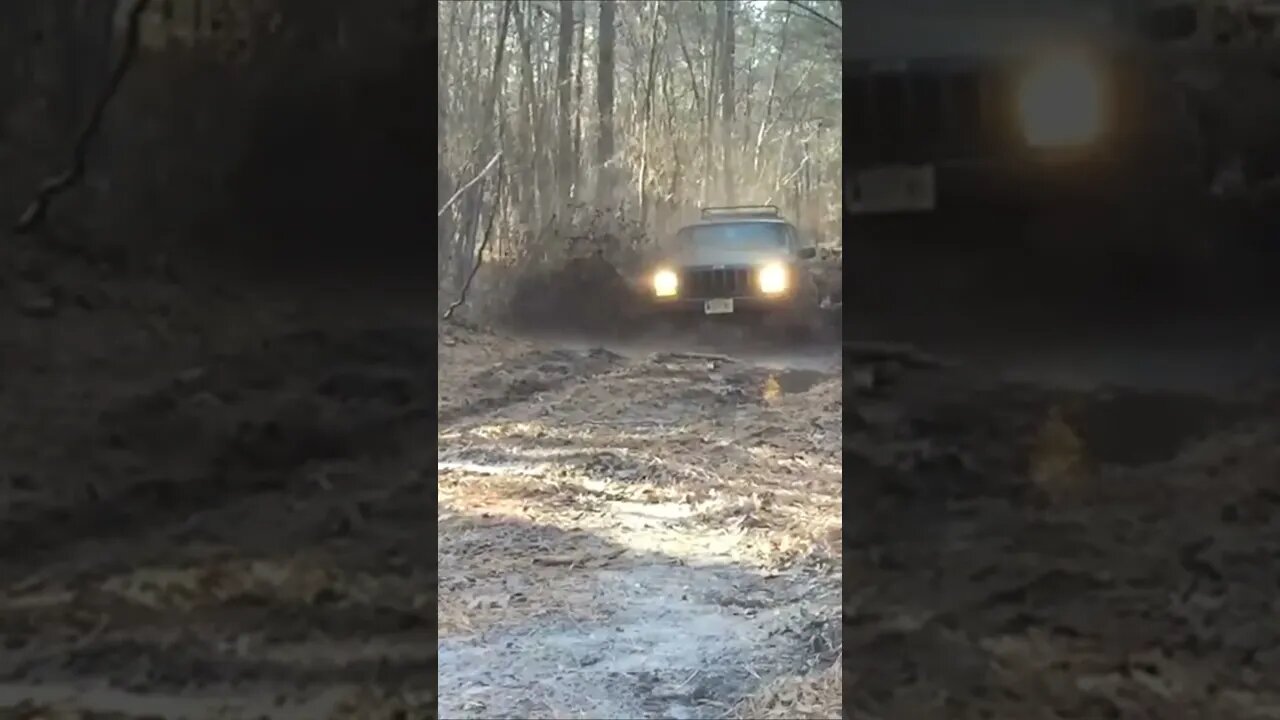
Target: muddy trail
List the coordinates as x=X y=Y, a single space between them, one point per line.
x=212 y=502
x=630 y=532
x=1067 y=521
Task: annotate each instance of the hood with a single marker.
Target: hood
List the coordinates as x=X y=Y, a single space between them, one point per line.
x=691 y=256
x=937 y=29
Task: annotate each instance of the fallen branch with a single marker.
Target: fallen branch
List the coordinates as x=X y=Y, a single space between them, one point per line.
x=471 y=182
x=484 y=241
x=38 y=209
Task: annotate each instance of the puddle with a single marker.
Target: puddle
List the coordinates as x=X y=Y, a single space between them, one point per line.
x=787 y=382
x=1134 y=428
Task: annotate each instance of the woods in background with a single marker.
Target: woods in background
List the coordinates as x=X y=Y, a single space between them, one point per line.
x=635 y=111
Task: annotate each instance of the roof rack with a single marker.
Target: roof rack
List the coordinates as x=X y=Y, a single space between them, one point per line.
x=770 y=211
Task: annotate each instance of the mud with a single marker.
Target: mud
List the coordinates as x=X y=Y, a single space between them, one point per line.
x=211 y=501
x=796 y=380
x=1064 y=528
x=589 y=297
x=654 y=533
x=584 y=294
x=213 y=505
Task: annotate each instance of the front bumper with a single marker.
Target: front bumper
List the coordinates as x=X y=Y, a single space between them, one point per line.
x=748 y=305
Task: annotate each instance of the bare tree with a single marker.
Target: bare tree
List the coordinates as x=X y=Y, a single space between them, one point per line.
x=472 y=207
x=633 y=110
x=708 y=131
x=578 y=88
x=604 y=103
x=642 y=182
x=564 y=149
x=727 y=99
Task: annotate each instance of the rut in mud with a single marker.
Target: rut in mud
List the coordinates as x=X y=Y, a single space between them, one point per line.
x=639 y=535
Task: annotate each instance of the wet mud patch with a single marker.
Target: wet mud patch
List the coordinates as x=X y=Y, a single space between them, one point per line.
x=170 y=444
x=520 y=379
x=1137 y=428
x=798 y=381
x=1093 y=550
x=237 y=426
x=731 y=381
x=661 y=393
x=947 y=435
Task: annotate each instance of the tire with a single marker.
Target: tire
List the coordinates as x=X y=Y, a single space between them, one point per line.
x=803 y=320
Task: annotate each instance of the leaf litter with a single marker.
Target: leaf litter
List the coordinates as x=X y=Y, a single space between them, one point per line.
x=643 y=536
x=1031 y=552
x=212 y=502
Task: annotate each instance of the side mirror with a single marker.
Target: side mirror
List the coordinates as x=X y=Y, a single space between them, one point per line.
x=807 y=253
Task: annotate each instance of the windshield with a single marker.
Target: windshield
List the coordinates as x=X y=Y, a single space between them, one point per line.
x=735 y=236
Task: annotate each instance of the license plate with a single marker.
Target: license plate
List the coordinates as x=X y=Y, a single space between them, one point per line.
x=897 y=188
x=718 y=307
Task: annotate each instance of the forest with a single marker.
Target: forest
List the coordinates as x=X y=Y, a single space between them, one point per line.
x=612 y=122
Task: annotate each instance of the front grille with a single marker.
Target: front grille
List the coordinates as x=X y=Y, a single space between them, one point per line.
x=923 y=114
x=717 y=283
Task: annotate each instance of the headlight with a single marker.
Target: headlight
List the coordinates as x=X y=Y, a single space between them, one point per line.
x=773 y=279
x=665 y=283
x=1060 y=102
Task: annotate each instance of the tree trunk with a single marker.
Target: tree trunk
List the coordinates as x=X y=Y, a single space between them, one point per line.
x=677 y=163
x=579 y=84
x=643 y=181
x=604 y=104
x=767 y=120
x=727 y=103
x=531 y=199
x=444 y=183
x=564 y=150
x=749 y=88
x=688 y=63
x=708 y=129
x=463 y=257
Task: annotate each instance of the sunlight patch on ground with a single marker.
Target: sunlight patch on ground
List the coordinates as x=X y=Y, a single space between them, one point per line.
x=813 y=696
x=479 y=468
x=215 y=583
x=613 y=547
x=617 y=431
x=782 y=507
x=668 y=641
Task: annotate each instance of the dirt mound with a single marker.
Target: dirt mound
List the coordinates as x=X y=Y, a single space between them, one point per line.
x=585 y=294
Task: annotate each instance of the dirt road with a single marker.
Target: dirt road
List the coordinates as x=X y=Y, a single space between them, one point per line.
x=1076 y=521
x=216 y=503
x=211 y=504
x=636 y=534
